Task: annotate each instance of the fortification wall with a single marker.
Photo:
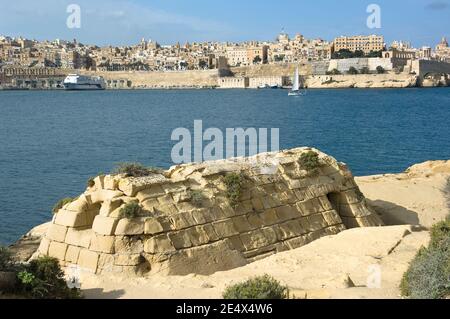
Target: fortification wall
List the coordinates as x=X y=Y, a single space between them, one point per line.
x=388 y=80
x=189 y=225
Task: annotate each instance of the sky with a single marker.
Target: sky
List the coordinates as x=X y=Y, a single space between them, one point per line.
x=125 y=22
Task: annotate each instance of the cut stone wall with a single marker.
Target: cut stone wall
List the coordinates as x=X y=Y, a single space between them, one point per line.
x=281 y=206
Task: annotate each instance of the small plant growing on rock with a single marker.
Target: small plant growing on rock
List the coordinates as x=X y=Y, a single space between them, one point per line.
x=264 y=287
x=131 y=210
x=310 y=161
x=135 y=170
x=63 y=202
x=233 y=182
x=197 y=198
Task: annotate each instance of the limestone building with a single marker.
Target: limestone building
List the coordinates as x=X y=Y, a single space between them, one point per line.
x=366 y=44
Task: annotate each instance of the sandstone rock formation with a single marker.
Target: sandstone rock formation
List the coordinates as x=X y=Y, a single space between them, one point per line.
x=189 y=224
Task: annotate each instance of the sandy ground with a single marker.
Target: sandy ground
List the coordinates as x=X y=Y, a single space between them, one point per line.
x=358 y=263
x=420 y=196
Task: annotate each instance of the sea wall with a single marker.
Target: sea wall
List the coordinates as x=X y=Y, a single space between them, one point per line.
x=162 y=80
x=388 y=80
x=190 y=225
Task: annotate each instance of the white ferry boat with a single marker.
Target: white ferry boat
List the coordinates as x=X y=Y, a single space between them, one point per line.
x=82 y=82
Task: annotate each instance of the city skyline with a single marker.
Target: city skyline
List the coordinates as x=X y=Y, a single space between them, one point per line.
x=125 y=22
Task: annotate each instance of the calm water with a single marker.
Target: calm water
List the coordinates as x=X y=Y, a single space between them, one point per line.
x=51 y=142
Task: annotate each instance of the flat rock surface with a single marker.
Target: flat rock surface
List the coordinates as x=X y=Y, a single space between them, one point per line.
x=420 y=196
x=321 y=269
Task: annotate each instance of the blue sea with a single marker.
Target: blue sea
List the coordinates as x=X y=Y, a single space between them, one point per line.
x=51 y=142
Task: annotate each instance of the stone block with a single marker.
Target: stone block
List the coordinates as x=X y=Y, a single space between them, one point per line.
x=72 y=254
x=210 y=232
x=287 y=212
x=153 y=192
x=310 y=207
x=80 y=238
x=102 y=244
x=225 y=228
x=57 y=250
x=79 y=205
x=198 y=236
x=255 y=220
x=153 y=226
x=317 y=222
x=217 y=213
x=236 y=243
x=254 y=240
x=170 y=209
x=166 y=200
x=105 y=263
x=202 y=216
x=269 y=217
x=182 y=221
x=242 y=224
x=56 y=233
x=128 y=260
x=325 y=202
x=151 y=205
x=257 y=204
x=72 y=219
x=181 y=239
x=244 y=207
x=297 y=242
x=130 y=227
x=99 y=182
x=109 y=206
x=159 y=244
x=354 y=210
x=289 y=230
x=332 y=218
x=111 y=182
x=229 y=211
x=105 y=225
x=88 y=260
x=126 y=244
x=103 y=195
x=43 y=246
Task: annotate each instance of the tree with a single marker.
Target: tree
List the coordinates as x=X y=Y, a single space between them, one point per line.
x=334 y=72
x=358 y=54
x=279 y=58
x=352 y=70
x=380 y=70
x=257 y=59
x=202 y=64
x=365 y=70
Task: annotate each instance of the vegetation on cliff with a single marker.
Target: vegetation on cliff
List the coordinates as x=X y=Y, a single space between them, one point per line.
x=428 y=276
x=135 y=170
x=131 y=210
x=264 y=287
x=233 y=183
x=42 y=278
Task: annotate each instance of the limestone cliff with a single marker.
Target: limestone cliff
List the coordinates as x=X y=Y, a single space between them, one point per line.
x=189 y=224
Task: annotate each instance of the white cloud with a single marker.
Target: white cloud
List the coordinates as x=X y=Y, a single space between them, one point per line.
x=105 y=21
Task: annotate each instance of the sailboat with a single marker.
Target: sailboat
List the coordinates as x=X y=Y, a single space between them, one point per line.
x=296 y=85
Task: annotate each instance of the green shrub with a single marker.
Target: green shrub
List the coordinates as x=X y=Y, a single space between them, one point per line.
x=428 y=275
x=44 y=279
x=131 y=210
x=310 y=161
x=61 y=204
x=264 y=287
x=233 y=182
x=353 y=70
x=440 y=232
x=91 y=182
x=197 y=198
x=135 y=170
x=380 y=70
x=6 y=262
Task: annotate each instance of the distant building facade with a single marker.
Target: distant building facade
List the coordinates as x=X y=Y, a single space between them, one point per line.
x=366 y=44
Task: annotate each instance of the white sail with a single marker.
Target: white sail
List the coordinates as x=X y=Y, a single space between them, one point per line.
x=296 y=85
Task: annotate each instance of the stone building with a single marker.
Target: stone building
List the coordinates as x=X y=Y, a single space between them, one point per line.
x=366 y=44
x=188 y=223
